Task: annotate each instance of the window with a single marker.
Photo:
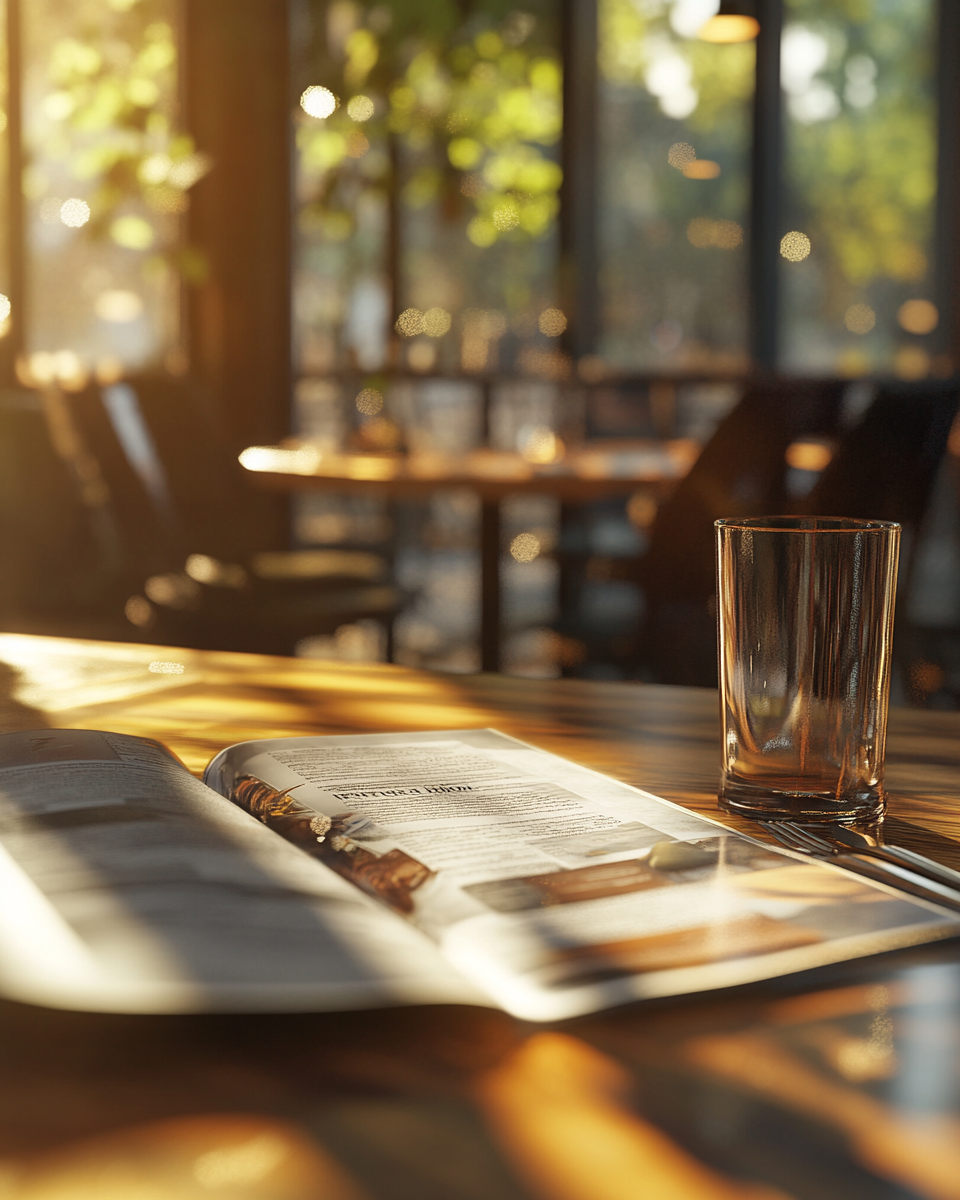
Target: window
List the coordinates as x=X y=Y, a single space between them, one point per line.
x=106 y=178
x=427 y=188
x=860 y=184
x=674 y=202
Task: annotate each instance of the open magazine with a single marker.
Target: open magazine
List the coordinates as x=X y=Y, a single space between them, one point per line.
x=347 y=872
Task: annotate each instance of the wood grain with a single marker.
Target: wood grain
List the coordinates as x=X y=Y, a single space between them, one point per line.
x=748 y=1094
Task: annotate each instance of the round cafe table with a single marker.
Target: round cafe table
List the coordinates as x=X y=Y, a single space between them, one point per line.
x=598 y=473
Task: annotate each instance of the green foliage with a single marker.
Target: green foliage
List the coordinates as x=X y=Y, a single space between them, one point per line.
x=469 y=93
x=864 y=181
x=106 y=118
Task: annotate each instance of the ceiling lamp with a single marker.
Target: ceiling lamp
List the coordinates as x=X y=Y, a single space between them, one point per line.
x=734 y=22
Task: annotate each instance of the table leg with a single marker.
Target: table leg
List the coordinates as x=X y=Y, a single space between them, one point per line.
x=490 y=585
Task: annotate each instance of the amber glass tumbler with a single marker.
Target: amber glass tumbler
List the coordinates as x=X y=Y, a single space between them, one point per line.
x=805 y=629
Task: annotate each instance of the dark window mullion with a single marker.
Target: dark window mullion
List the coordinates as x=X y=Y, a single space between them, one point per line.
x=579 y=261
x=947 y=238
x=766 y=189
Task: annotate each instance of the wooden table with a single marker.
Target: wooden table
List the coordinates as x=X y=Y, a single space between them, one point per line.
x=841 y=1083
x=358 y=475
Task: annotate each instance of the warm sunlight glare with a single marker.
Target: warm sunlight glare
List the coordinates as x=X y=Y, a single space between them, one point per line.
x=318 y=102
x=725 y=30
x=74 y=212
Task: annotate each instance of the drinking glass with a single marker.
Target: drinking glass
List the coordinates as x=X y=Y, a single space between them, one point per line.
x=805 y=630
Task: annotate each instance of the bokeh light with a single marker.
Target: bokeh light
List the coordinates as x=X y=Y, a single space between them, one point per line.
x=138 y=611
x=133 y=233
x=369 y=402
x=118 y=306
x=641 y=509
x=190 y=170
x=436 y=322
x=482 y=231
x=506 y=216
x=918 y=316
x=74 y=212
x=360 y=108
x=552 y=322
x=165 y=667
x=724 y=235
x=525 y=547
x=680 y=155
x=911 y=362
x=795 y=246
x=702 y=168
x=727 y=29
x=860 y=318
x=5 y=307
x=808 y=456
x=472 y=185
x=539 y=444
x=318 y=102
x=410 y=322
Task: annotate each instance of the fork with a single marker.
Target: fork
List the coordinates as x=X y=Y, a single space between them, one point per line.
x=864 y=843
x=882 y=869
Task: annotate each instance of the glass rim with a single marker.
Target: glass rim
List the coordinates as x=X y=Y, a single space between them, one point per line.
x=798 y=524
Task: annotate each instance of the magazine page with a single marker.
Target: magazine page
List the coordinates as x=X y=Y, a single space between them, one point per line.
x=556 y=889
x=128 y=885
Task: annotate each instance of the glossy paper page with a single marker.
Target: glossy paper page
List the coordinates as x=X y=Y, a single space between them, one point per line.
x=553 y=888
x=129 y=886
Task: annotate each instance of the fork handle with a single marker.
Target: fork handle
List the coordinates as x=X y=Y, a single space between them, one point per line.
x=918 y=863
x=901 y=877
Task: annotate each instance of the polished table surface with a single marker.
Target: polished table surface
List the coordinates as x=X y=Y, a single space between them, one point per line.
x=842 y=1082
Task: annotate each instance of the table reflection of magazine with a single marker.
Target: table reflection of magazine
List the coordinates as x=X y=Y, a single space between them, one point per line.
x=390 y=875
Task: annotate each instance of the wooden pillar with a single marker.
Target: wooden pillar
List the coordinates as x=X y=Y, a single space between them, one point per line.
x=237 y=86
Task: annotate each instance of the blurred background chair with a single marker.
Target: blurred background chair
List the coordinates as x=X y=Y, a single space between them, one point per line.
x=182 y=572
x=825 y=448
x=59 y=539
x=741 y=472
x=892 y=466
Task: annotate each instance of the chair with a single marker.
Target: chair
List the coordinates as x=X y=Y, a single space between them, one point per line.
x=887 y=468
x=190 y=528
x=741 y=472
x=884 y=467
x=59 y=540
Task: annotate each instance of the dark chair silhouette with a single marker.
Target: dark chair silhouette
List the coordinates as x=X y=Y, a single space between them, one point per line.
x=886 y=469
x=189 y=527
x=59 y=540
x=883 y=468
x=741 y=472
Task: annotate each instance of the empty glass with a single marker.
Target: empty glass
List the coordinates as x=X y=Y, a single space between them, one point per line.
x=806 y=621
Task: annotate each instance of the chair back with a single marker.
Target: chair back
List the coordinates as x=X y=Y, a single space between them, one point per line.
x=741 y=472
x=885 y=466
